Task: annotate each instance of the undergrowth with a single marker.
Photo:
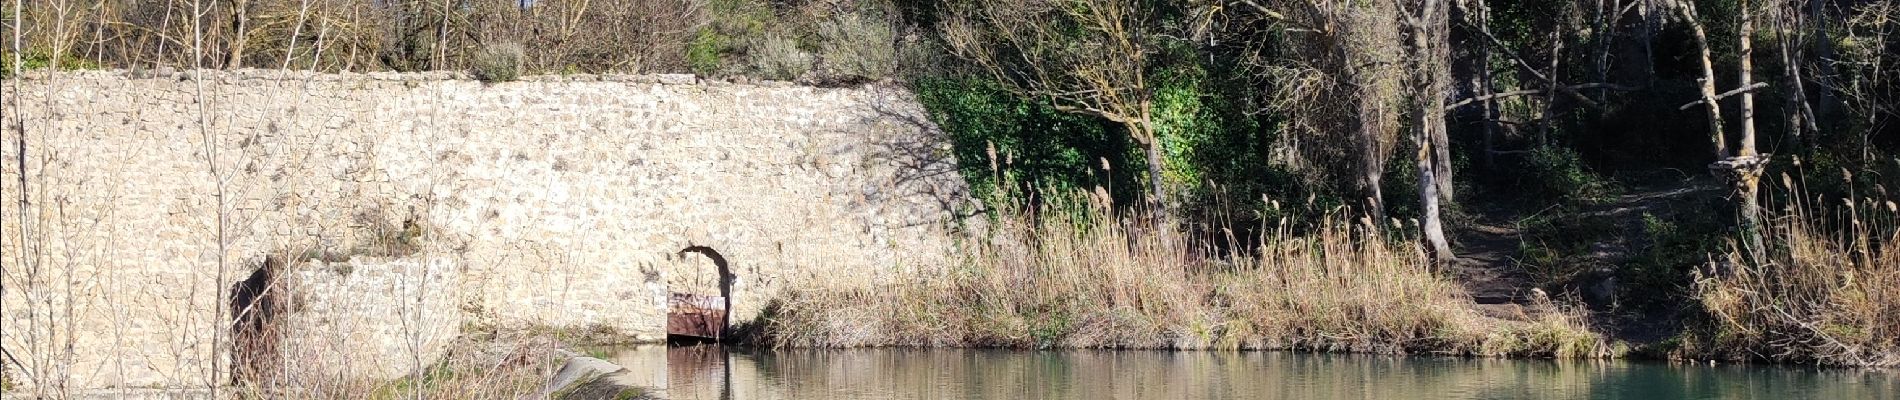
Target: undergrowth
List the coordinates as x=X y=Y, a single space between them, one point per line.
x=1822 y=290
x=1070 y=274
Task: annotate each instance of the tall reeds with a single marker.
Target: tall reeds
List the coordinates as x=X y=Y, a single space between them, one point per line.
x=1825 y=290
x=1068 y=274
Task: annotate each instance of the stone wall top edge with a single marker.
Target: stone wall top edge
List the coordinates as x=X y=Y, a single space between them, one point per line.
x=246 y=74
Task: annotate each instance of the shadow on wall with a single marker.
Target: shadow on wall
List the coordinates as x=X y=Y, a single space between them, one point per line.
x=923 y=159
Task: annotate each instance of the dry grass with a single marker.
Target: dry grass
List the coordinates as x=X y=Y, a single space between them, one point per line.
x=1071 y=277
x=343 y=339
x=1826 y=289
x=501 y=369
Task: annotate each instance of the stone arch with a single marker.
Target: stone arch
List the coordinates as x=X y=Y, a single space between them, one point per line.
x=724 y=269
x=689 y=315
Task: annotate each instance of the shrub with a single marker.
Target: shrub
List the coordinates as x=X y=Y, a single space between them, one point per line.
x=1042 y=147
x=857 y=47
x=500 y=62
x=738 y=28
x=1558 y=173
x=41 y=59
x=1677 y=243
x=777 y=56
x=703 y=54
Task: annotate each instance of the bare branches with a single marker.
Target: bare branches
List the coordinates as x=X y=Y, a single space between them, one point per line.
x=1519 y=60
x=1723 y=95
x=583 y=35
x=1527 y=92
x=1082 y=56
x=1025 y=45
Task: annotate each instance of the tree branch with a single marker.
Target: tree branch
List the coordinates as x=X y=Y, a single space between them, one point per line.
x=1740 y=90
x=1525 y=92
x=1526 y=66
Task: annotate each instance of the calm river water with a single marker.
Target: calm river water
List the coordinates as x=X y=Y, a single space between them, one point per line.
x=705 y=372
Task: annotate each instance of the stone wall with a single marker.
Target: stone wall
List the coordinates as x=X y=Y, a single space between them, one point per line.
x=419 y=206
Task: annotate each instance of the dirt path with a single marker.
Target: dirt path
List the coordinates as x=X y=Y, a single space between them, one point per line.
x=1491 y=258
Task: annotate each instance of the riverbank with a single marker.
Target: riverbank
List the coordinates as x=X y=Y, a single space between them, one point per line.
x=1080 y=278
x=1825 y=290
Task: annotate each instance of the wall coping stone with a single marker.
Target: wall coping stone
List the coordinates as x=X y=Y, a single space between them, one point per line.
x=258 y=74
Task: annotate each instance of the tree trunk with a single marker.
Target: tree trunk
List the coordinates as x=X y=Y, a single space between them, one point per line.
x=1144 y=135
x=1371 y=178
x=1429 y=53
x=1650 y=15
x=1790 y=76
x=1823 y=48
x=1549 y=122
x=1441 y=140
x=1432 y=228
x=441 y=50
x=1486 y=85
x=1372 y=155
x=1746 y=55
x=1709 y=103
x=240 y=31
x=1748 y=178
x=1158 y=196
x=1801 y=118
x=1604 y=32
x=1481 y=86
x=1438 y=27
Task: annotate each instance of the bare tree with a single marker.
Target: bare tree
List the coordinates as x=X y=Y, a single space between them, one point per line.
x=1483 y=84
x=1429 y=50
x=1329 y=71
x=595 y=36
x=1748 y=163
x=1791 y=29
x=1743 y=167
x=1707 y=82
x=19 y=130
x=240 y=33
x=1083 y=56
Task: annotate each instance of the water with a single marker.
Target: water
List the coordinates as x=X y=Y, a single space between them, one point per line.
x=686 y=373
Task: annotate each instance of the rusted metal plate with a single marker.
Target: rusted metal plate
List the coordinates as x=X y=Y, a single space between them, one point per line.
x=695 y=315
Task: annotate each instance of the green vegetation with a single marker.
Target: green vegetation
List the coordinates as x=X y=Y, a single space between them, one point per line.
x=1042 y=147
x=1557 y=174
x=33 y=60
x=703 y=54
x=1539 y=144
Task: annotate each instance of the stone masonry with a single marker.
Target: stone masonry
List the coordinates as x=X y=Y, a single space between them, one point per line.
x=418 y=207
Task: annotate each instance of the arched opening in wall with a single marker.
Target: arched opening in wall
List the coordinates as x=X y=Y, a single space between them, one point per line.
x=256 y=327
x=695 y=316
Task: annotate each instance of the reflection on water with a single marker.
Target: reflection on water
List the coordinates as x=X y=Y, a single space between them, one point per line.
x=709 y=372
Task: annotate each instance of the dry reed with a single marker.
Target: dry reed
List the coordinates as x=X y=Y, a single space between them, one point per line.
x=1825 y=290
x=1071 y=276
